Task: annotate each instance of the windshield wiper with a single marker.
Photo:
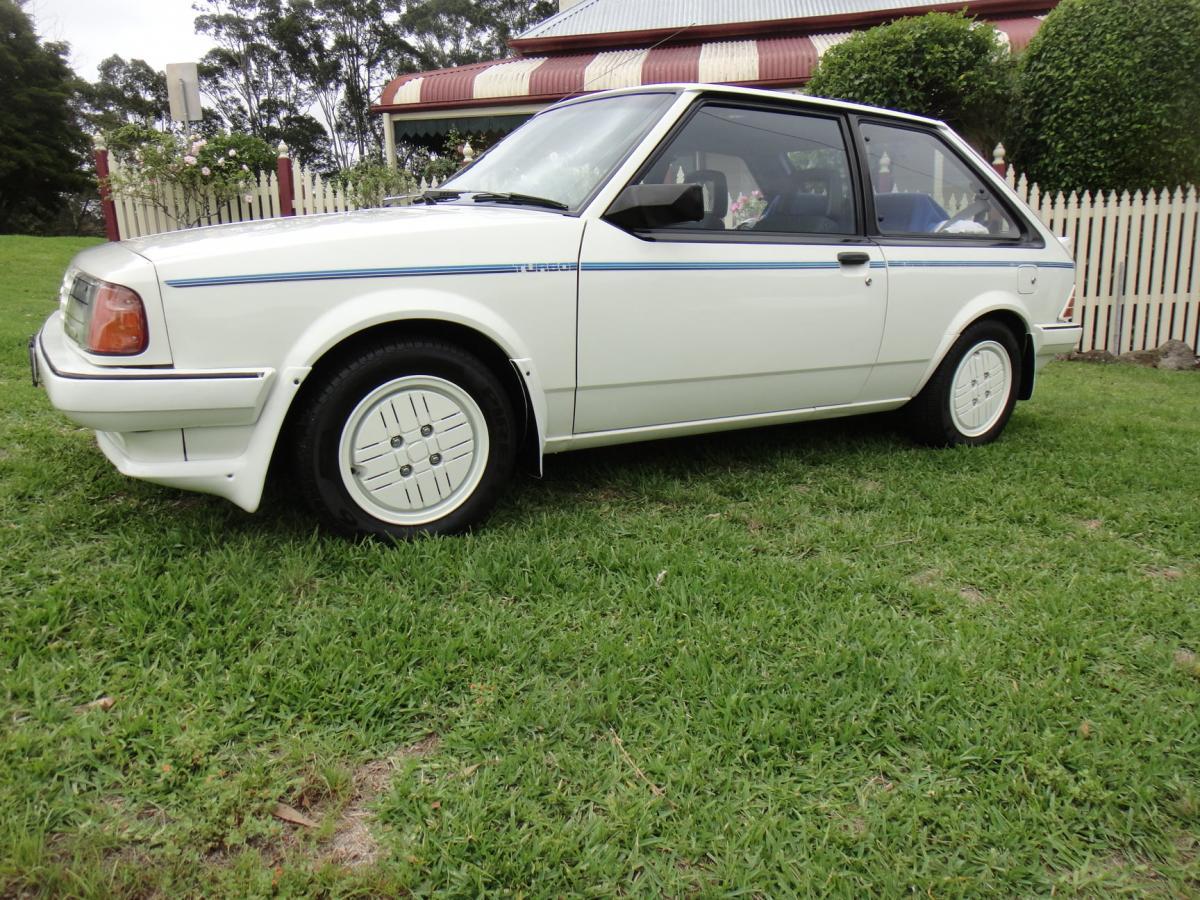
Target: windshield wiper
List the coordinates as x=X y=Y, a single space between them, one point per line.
x=436 y=196
x=520 y=199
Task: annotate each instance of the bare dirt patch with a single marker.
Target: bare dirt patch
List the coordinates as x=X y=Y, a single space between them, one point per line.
x=927 y=578
x=1165 y=573
x=1188 y=661
x=973 y=595
x=352 y=843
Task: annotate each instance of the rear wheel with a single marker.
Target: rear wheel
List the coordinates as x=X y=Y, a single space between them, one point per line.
x=411 y=438
x=971 y=396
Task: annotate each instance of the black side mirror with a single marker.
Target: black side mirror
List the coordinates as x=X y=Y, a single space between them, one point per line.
x=656 y=206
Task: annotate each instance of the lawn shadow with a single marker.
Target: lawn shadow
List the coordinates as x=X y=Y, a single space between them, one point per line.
x=577 y=476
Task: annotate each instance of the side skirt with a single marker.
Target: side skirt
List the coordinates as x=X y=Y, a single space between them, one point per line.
x=730 y=423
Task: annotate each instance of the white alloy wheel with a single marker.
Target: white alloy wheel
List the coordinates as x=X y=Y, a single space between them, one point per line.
x=980 y=388
x=413 y=450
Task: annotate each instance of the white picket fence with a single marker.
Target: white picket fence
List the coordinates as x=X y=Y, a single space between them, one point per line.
x=311 y=195
x=1137 y=256
x=137 y=217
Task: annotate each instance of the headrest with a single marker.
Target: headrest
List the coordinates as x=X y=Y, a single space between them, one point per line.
x=716 y=190
x=908 y=213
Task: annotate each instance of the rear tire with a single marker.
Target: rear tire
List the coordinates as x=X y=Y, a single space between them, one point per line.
x=411 y=438
x=971 y=395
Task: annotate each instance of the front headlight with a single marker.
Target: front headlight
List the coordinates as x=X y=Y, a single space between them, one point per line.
x=105 y=318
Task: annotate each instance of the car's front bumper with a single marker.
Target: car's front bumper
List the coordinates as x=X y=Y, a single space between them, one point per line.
x=112 y=398
x=142 y=416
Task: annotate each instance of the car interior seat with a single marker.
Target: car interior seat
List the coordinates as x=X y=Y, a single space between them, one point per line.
x=716 y=198
x=908 y=213
x=799 y=212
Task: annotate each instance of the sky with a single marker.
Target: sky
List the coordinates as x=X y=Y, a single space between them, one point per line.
x=158 y=31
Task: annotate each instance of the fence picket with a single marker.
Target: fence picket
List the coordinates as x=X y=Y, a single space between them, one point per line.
x=1086 y=262
x=1107 y=287
x=1190 y=284
x=1170 y=288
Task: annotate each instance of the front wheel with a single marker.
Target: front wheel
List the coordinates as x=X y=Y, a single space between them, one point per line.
x=411 y=438
x=971 y=396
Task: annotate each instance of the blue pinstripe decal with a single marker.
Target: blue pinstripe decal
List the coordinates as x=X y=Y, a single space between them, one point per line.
x=973 y=264
x=344 y=274
x=519 y=268
x=702 y=266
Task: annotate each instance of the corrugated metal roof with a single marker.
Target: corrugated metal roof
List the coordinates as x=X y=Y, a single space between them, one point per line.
x=779 y=61
x=607 y=16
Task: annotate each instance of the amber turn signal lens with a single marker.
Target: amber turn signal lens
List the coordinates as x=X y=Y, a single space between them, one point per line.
x=118 y=324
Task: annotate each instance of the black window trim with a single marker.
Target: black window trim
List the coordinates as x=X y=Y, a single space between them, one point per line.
x=698 y=236
x=1030 y=238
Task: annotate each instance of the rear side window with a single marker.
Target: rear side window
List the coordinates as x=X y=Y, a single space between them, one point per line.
x=762 y=171
x=923 y=188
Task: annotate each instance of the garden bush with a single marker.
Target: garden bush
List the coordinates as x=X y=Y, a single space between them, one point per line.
x=206 y=171
x=1110 y=96
x=943 y=65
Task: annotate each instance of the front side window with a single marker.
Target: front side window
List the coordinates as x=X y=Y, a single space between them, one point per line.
x=564 y=154
x=923 y=188
x=762 y=171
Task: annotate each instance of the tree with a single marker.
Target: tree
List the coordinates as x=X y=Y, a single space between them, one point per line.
x=343 y=52
x=126 y=93
x=942 y=65
x=43 y=149
x=276 y=62
x=445 y=33
x=250 y=78
x=245 y=73
x=1110 y=96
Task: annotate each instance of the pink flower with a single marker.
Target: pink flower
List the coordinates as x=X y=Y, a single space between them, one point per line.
x=232 y=152
x=245 y=168
x=205 y=171
x=190 y=160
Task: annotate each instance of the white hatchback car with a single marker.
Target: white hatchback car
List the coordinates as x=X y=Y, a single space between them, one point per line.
x=629 y=265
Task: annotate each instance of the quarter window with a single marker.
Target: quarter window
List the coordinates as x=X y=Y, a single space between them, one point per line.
x=762 y=171
x=922 y=187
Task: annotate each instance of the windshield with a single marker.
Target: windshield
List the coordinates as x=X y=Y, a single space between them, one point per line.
x=564 y=154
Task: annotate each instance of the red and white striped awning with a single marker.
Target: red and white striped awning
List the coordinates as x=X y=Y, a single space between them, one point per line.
x=764 y=62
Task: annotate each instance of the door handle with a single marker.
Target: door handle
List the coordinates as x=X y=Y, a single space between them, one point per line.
x=854 y=258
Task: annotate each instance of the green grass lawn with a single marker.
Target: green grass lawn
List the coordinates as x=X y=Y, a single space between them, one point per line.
x=802 y=660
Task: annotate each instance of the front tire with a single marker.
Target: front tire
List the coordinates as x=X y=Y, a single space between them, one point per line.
x=971 y=396
x=410 y=438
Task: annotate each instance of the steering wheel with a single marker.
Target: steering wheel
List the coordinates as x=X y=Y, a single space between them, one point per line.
x=969 y=212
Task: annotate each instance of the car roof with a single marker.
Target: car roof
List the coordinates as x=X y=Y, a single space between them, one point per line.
x=755 y=93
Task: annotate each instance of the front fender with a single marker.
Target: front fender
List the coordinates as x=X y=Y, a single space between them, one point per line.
x=349 y=317
x=386 y=307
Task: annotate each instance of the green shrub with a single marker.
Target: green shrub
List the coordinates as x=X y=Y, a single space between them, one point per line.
x=369 y=182
x=1110 y=96
x=206 y=172
x=942 y=65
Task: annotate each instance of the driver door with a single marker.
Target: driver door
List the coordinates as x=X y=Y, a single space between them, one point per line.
x=773 y=302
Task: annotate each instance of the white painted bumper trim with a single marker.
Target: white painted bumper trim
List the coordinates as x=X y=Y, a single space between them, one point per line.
x=127 y=399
